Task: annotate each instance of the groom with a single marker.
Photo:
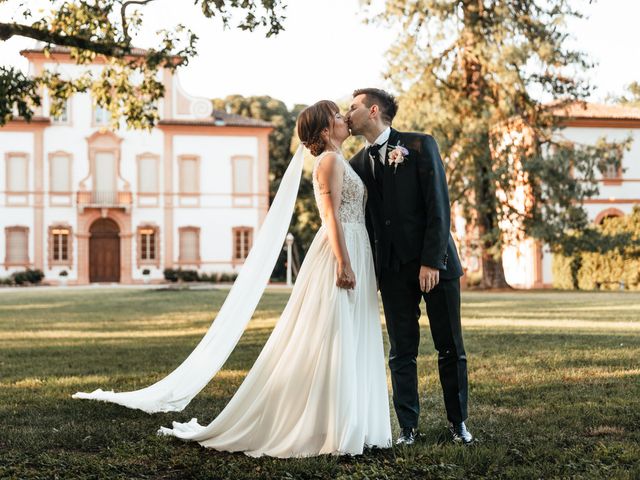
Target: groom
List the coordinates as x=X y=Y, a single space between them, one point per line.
x=408 y=220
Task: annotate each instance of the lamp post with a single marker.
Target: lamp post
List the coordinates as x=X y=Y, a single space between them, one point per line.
x=289 y=242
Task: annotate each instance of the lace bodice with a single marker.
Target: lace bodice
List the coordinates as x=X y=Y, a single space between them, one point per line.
x=352 y=197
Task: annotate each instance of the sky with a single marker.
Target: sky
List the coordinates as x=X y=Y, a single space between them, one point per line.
x=327 y=51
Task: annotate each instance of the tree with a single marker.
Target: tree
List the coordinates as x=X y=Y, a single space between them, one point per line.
x=107 y=28
x=632 y=98
x=282 y=144
x=468 y=71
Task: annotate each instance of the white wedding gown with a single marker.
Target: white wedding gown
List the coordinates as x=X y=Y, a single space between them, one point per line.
x=319 y=386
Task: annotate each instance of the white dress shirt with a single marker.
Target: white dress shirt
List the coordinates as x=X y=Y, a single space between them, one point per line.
x=382 y=139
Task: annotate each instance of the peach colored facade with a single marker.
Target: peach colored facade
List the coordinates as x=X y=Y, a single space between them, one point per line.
x=199 y=171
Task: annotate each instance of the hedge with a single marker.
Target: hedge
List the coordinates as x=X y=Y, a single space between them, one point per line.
x=612 y=269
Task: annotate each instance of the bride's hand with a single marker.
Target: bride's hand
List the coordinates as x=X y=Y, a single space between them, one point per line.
x=346 y=277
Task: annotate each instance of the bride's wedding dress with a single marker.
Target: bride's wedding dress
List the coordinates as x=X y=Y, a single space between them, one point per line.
x=319 y=386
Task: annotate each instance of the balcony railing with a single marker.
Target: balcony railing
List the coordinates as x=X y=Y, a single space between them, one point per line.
x=104 y=199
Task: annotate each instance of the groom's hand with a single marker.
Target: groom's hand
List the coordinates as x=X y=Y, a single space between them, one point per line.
x=429 y=278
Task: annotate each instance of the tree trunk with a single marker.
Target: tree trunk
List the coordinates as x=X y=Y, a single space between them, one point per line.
x=492 y=273
x=488 y=230
x=476 y=90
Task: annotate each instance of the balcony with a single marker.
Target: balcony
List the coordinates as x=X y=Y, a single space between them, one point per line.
x=104 y=199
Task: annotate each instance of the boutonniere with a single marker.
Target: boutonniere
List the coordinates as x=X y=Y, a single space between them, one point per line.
x=397 y=156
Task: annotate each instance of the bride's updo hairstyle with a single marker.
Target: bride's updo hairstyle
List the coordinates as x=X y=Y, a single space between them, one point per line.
x=312 y=121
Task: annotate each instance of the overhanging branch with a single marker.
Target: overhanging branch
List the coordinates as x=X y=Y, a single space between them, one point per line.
x=125 y=30
x=8 y=30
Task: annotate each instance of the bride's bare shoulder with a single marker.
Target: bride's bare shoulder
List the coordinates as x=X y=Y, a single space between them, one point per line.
x=328 y=161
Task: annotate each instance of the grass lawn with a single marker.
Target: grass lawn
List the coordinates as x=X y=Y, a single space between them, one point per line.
x=554 y=389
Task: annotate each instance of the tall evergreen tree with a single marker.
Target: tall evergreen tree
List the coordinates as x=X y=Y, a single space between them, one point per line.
x=471 y=70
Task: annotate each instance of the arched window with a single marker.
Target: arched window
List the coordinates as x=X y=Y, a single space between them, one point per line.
x=608 y=213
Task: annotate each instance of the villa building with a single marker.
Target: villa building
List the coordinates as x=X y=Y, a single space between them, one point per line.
x=104 y=205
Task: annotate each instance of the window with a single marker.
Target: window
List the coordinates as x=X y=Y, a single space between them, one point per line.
x=147 y=242
x=104 y=179
x=101 y=116
x=60 y=176
x=611 y=171
x=189 y=245
x=17 y=172
x=64 y=115
x=148 y=174
x=242 y=242
x=189 y=174
x=242 y=181
x=60 y=244
x=17 y=246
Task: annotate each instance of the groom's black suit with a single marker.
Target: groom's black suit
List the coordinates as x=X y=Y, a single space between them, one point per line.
x=408 y=220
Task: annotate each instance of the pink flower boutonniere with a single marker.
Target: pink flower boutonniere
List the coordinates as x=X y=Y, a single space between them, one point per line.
x=397 y=156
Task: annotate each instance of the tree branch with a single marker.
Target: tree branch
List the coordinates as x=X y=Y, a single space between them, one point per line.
x=125 y=31
x=8 y=30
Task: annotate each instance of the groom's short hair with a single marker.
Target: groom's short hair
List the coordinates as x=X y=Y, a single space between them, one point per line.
x=386 y=102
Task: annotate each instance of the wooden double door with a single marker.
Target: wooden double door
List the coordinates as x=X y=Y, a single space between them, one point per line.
x=104 y=251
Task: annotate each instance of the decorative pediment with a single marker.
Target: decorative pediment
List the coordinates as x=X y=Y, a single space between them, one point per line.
x=188 y=107
x=104 y=139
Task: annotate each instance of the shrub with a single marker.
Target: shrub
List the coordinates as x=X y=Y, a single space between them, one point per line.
x=170 y=275
x=561 y=270
x=146 y=271
x=227 y=277
x=27 y=277
x=64 y=273
x=211 y=277
x=187 y=275
x=611 y=265
x=183 y=275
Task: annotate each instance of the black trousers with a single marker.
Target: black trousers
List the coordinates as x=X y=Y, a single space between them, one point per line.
x=401 y=299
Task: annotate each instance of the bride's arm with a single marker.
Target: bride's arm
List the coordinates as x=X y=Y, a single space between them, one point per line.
x=330 y=175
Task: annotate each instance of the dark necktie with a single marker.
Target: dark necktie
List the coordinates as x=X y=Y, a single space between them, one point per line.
x=378 y=169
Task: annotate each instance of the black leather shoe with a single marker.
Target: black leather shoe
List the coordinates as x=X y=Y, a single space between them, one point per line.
x=407 y=436
x=460 y=433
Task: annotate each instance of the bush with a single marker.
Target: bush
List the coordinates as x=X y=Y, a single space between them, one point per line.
x=227 y=277
x=210 y=277
x=28 y=276
x=611 y=266
x=170 y=275
x=64 y=273
x=146 y=271
x=183 y=275
x=187 y=275
x=561 y=270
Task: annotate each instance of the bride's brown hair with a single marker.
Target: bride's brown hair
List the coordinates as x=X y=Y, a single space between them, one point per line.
x=312 y=121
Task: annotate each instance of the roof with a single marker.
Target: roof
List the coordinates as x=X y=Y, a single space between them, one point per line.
x=598 y=111
x=135 y=52
x=238 y=120
x=220 y=118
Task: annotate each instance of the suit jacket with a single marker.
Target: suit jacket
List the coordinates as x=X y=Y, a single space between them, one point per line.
x=411 y=215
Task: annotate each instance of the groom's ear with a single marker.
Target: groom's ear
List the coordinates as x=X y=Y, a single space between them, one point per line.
x=373 y=110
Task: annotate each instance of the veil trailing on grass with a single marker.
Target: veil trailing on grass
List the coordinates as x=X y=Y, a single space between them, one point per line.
x=175 y=391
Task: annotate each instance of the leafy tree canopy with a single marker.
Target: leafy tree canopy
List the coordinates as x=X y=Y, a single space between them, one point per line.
x=128 y=86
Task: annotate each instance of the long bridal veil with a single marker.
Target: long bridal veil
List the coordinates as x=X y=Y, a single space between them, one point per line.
x=175 y=391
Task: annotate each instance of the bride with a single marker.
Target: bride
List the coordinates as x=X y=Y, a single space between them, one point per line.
x=319 y=385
